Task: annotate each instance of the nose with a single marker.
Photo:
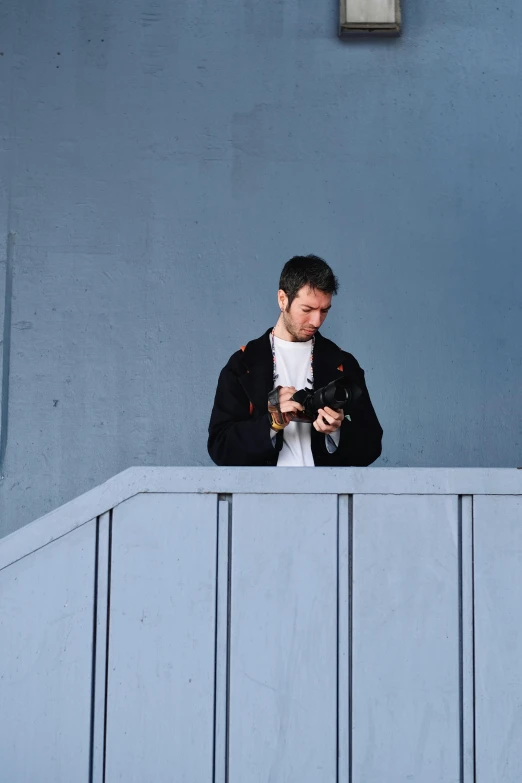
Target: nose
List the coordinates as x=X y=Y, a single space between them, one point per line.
x=315 y=320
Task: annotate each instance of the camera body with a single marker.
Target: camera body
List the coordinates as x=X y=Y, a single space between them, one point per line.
x=343 y=393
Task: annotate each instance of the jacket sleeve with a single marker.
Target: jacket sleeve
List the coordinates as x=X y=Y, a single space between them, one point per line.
x=236 y=437
x=361 y=434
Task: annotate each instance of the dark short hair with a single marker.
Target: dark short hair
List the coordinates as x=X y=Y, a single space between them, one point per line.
x=309 y=271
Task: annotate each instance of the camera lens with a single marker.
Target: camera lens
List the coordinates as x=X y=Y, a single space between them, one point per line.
x=335 y=395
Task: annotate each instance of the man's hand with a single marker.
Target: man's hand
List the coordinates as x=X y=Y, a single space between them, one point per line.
x=328 y=420
x=283 y=413
x=288 y=406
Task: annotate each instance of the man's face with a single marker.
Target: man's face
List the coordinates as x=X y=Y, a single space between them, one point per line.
x=306 y=314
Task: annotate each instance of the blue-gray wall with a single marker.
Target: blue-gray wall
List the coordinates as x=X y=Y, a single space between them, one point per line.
x=159 y=161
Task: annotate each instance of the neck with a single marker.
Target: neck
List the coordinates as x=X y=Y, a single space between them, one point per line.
x=282 y=332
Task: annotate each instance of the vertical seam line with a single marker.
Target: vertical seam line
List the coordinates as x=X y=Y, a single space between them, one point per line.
x=461 y=643
x=473 y=636
x=350 y=636
x=229 y=619
x=338 y=663
x=216 y=618
x=109 y=569
x=94 y=639
x=6 y=352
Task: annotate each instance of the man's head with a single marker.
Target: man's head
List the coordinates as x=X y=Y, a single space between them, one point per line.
x=306 y=287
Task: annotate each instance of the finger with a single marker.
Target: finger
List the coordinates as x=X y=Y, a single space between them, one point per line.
x=334 y=414
x=327 y=417
x=286 y=393
x=290 y=407
x=324 y=430
x=320 y=425
x=328 y=427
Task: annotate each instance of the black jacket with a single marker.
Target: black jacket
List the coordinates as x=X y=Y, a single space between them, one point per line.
x=239 y=430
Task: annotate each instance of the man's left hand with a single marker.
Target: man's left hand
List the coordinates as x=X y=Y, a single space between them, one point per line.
x=328 y=420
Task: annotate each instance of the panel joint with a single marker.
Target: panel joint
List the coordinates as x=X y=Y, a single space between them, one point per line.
x=344 y=637
x=222 y=640
x=100 y=648
x=466 y=638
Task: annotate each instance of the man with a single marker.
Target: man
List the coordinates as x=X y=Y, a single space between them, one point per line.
x=245 y=430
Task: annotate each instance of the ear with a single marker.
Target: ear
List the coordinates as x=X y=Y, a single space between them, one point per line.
x=282 y=299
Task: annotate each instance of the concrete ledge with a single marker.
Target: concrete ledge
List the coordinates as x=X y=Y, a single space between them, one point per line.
x=339 y=481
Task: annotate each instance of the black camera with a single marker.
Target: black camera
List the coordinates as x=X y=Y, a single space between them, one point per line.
x=342 y=393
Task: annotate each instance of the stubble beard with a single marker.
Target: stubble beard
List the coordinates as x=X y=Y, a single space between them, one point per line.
x=291 y=329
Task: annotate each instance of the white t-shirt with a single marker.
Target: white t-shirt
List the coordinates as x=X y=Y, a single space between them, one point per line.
x=293 y=369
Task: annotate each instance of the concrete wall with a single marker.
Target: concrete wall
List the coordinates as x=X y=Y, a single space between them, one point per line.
x=159 y=161
x=267 y=625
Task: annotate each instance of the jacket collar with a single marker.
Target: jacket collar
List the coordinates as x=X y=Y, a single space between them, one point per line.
x=257 y=378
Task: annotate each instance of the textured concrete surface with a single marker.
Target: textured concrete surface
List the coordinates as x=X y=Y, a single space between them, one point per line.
x=160 y=161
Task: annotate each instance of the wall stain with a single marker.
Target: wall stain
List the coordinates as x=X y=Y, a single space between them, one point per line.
x=6 y=356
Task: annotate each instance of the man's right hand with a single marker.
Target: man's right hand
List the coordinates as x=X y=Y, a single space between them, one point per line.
x=287 y=406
